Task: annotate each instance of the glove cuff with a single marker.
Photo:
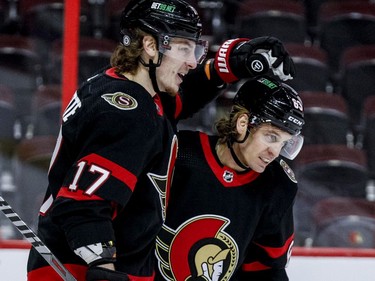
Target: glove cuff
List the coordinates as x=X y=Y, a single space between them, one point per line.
x=212 y=74
x=221 y=64
x=98 y=253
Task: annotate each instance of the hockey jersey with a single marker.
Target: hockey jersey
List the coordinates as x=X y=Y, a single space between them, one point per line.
x=222 y=224
x=113 y=163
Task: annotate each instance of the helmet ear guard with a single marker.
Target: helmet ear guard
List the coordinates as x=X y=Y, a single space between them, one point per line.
x=126 y=37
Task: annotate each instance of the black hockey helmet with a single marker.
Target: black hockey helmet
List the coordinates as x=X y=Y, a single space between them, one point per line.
x=175 y=18
x=164 y=20
x=271 y=101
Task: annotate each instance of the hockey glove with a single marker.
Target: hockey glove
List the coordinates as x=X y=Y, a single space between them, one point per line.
x=99 y=254
x=96 y=273
x=244 y=58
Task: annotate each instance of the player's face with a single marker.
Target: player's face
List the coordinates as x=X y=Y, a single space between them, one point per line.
x=263 y=146
x=176 y=63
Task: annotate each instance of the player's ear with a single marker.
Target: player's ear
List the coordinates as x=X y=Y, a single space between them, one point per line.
x=150 y=46
x=241 y=125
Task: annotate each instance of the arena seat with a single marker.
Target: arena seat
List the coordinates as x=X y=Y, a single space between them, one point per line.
x=322 y=171
x=8 y=120
x=357 y=78
x=115 y=9
x=20 y=70
x=344 y=222
x=46 y=112
x=326 y=119
x=44 y=19
x=32 y=163
x=312 y=70
x=93 y=55
x=368 y=132
x=282 y=19
x=344 y=24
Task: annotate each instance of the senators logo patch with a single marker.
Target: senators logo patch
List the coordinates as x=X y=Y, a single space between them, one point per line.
x=199 y=249
x=121 y=100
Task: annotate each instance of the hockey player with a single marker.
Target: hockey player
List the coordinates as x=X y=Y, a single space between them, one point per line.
x=230 y=208
x=110 y=173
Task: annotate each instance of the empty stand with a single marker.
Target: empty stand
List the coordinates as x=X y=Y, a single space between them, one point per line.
x=9 y=17
x=93 y=54
x=98 y=12
x=344 y=222
x=20 y=70
x=312 y=10
x=337 y=169
x=115 y=9
x=218 y=20
x=282 y=19
x=368 y=129
x=44 y=19
x=327 y=119
x=7 y=147
x=344 y=24
x=8 y=120
x=32 y=162
x=357 y=77
x=46 y=113
x=312 y=70
x=20 y=65
x=324 y=171
x=2 y=14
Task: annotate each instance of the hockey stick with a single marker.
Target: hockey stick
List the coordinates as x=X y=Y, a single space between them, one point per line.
x=35 y=241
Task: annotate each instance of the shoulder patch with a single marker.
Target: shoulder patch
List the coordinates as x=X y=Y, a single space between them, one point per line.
x=288 y=171
x=121 y=100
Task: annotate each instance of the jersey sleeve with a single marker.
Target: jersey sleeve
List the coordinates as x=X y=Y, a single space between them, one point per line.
x=268 y=255
x=269 y=251
x=196 y=92
x=113 y=148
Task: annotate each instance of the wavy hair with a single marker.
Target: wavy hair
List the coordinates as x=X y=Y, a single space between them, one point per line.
x=126 y=58
x=227 y=127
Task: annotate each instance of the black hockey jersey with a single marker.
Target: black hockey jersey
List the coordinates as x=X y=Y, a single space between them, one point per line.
x=222 y=224
x=109 y=176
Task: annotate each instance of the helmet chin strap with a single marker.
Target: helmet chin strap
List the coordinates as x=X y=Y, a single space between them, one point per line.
x=234 y=156
x=152 y=71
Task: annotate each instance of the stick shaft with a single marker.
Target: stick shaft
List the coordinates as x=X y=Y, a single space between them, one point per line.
x=35 y=241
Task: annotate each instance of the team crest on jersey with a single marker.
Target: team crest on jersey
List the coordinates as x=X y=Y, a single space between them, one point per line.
x=288 y=171
x=199 y=249
x=120 y=100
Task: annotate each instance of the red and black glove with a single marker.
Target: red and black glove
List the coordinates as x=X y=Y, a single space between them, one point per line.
x=243 y=58
x=95 y=273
